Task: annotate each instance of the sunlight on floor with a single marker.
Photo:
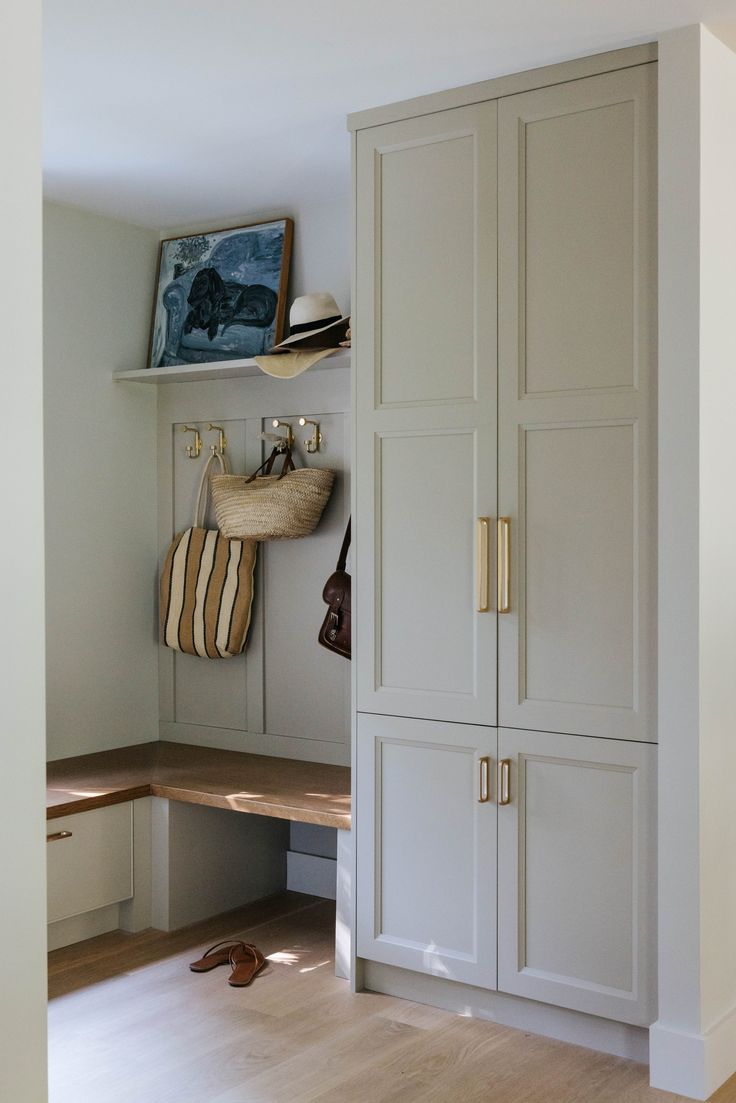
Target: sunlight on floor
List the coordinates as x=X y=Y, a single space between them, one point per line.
x=285 y=957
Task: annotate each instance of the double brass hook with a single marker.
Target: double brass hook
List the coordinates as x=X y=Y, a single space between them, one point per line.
x=288 y=439
x=193 y=450
x=316 y=440
x=220 y=448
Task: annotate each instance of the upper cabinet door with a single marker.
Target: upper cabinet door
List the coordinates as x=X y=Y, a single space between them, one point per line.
x=577 y=360
x=425 y=353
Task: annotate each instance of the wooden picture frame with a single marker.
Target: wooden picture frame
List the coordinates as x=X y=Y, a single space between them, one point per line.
x=220 y=294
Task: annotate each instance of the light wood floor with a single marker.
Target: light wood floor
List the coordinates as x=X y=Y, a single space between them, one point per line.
x=130 y=1024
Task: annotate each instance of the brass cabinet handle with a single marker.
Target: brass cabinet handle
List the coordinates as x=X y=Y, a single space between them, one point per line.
x=503 y=569
x=484 y=781
x=504 y=781
x=58 y=835
x=482 y=529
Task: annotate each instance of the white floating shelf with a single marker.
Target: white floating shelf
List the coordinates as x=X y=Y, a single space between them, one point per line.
x=224 y=369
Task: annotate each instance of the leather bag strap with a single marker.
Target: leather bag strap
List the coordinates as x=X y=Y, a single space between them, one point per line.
x=203 y=494
x=343 y=558
x=267 y=465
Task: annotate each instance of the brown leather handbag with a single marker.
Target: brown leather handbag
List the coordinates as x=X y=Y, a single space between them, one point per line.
x=335 y=631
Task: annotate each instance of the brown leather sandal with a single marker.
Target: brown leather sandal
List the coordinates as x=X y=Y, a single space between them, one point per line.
x=246 y=960
x=219 y=954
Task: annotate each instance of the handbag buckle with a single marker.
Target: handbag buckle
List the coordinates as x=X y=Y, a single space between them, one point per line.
x=334 y=625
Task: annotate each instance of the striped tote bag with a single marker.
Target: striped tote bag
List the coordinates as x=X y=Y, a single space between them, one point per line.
x=207 y=586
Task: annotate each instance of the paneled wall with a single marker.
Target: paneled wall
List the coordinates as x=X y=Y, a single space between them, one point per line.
x=286 y=695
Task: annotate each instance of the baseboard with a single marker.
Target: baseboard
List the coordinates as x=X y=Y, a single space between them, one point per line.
x=575 y=1027
x=65 y=932
x=311 y=873
x=693 y=1065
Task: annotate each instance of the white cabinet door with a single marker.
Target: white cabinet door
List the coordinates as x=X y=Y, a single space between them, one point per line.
x=426 y=838
x=89 y=860
x=576 y=874
x=577 y=408
x=425 y=356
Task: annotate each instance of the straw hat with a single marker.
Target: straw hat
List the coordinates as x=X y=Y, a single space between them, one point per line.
x=317 y=328
x=313 y=318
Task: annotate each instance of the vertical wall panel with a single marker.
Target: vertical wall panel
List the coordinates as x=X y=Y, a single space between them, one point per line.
x=286 y=695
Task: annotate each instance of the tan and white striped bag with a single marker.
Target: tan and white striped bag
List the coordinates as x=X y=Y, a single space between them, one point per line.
x=207 y=586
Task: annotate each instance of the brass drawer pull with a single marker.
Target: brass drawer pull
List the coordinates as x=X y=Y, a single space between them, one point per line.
x=482 y=564
x=484 y=786
x=504 y=781
x=58 y=835
x=503 y=568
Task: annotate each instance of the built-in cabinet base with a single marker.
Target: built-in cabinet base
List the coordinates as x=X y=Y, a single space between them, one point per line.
x=510 y=860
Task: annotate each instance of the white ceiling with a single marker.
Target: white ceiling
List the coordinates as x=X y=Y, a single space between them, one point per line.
x=166 y=112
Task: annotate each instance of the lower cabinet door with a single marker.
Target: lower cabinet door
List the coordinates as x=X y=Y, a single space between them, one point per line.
x=577 y=879
x=426 y=838
x=89 y=860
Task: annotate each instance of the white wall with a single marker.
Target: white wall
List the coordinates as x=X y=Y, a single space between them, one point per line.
x=693 y=1044
x=101 y=536
x=22 y=817
x=322 y=250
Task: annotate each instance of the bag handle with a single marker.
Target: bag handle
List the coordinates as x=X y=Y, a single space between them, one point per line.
x=203 y=494
x=344 y=549
x=288 y=464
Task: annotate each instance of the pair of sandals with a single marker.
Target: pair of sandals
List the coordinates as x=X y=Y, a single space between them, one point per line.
x=245 y=960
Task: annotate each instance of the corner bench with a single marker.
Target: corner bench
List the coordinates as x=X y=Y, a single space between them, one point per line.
x=285 y=788
x=112 y=850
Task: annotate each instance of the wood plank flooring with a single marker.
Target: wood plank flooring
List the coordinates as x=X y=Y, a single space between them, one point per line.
x=128 y=1021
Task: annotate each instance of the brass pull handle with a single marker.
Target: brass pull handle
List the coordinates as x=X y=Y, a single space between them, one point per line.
x=503 y=536
x=58 y=835
x=484 y=781
x=504 y=781
x=482 y=564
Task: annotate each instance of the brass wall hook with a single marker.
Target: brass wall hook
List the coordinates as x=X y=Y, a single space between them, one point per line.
x=221 y=447
x=313 y=443
x=193 y=450
x=289 y=438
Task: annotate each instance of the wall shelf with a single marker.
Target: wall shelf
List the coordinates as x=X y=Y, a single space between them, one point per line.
x=227 y=369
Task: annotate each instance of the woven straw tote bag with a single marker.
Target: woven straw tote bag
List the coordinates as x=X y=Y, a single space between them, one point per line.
x=268 y=506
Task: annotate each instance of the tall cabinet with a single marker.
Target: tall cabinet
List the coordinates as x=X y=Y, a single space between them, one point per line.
x=505 y=323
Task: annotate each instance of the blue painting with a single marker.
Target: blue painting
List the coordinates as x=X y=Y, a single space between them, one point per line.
x=221 y=295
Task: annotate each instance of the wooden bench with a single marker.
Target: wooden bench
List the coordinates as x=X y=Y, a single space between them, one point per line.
x=284 y=788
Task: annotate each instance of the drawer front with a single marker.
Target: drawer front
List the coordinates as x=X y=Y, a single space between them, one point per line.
x=93 y=865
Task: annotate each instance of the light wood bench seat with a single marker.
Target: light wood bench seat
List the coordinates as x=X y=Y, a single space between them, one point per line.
x=284 y=788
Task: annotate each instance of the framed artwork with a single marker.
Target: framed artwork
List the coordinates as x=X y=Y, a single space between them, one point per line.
x=220 y=295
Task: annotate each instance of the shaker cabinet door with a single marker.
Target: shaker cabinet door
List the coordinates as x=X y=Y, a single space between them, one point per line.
x=577 y=407
x=426 y=838
x=576 y=875
x=425 y=358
